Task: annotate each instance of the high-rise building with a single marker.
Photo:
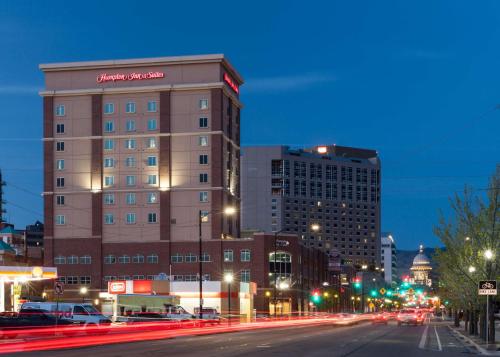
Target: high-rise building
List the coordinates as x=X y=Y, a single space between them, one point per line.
x=388 y=257
x=134 y=152
x=328 y=195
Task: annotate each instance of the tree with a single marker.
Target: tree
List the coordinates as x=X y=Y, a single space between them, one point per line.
x=473 y=230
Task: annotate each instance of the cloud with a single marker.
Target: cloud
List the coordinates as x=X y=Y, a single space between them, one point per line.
x=18 y=89
x=286 y=83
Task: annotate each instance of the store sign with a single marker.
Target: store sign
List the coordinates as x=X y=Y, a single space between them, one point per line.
x=117 y=287
x=487 y=287
x=231 y=83
x=282 y=243
x=135 y=76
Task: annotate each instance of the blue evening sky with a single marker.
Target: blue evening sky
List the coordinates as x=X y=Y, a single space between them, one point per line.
x=416 y=80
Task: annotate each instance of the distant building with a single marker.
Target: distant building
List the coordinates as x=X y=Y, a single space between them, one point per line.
x=421 y=269
x=336 y=188
x=388 y=257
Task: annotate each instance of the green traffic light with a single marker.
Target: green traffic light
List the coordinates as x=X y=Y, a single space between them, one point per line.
x=357 y=285
x=373 y=293
x=388 y=293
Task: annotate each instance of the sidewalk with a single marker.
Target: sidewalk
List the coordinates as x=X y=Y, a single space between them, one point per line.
x=478 y=343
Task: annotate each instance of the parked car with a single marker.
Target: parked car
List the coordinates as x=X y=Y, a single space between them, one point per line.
x=36 y=322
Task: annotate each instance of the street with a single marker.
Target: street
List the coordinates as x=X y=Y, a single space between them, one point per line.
x=433 y=339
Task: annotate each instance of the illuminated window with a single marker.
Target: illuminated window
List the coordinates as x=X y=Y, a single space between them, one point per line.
x=60 y=164
x=109 y=180
x=245 y=276
x=130 y=144
x=204 y=216
x=130 y=107
x=60 y=219
x=203 y=196
x=228 y=255
x=150 y=143
x=203 y=140
x=151 y=179
x=109 y=144
x=245 y=255
x=109 y=218
x=60 y=110
x=109 y=198
x=130 y=198
x=152 y=106
x=130 y=218
x=152 y=197
x=203 y=104
x=109 y=108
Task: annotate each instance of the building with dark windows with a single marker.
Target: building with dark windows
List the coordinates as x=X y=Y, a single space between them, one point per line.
x=328 y=195
x=135 y=151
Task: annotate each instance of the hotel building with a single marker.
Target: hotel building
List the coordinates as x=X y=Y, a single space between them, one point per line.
x=333 y=187
x=134 y=152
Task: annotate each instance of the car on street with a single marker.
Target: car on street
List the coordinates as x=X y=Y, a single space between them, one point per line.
x=410 y=317
x=380 y=318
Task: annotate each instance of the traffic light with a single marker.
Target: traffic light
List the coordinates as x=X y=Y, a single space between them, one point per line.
x=388 y=293
x=373 y=293
x=357 y=283
x=316 y=297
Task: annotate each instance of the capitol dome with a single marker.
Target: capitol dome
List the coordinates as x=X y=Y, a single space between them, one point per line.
x=421 y=258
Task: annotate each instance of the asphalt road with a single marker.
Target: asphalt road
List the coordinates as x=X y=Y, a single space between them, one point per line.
x=433 y=339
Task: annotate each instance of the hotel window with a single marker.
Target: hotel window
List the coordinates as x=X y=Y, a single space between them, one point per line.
x=151 y=160
x=130 y=198
x=203 y=104
x=72 y=259
x=203 y=160
x=60 y=111
x=130 y=125
x=205 y=258
x=60 y=164
x=60 y=182
x=130 y=107
x=109 y=126
x=152 y=124
x=109 y=218
x=203 y=140
x=60 y=200
x=228 y=255
x=151 y=197
x=124 y=259
x=60 y=260
x=109 y=198
x=109 y=259
x=191 y=258
x=151 y=179
x=130 y=144
x=72 y=280
x=109 y=108
x=150 y=143
x=130 y=180
x=204 y=216
x=153 y=259
x=130 y=161
x=60 y=128
x=109 y=180
x=245 y=276
x=60 y=219
x=86 y=259
x=203 y=123
x=109 y=162
x=152 y=106
x=85 y=280
x=203 y=196
x=152 y=218
x=203 y=178
x=60 y=146
x=138 y=258
x=177 y=258
x=245 y=255
x=109 y=144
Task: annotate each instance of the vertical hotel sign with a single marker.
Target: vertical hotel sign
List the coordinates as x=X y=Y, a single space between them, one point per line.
x=123 y=77
x=231 y=83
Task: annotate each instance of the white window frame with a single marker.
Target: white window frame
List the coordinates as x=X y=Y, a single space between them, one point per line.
x=203 y=196
x=150 y=216
x=152 y=161
x=203 y=104
x=154 y=104
x=109 y=106
x=131 y=198
x=203 y=140
x=152 y=124
x=109 y=218
x=60 y=110
x=130 y=107
x=150 y=200
x=60 y=220
x=60 y=164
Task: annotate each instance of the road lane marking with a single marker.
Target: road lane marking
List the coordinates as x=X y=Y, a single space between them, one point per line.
x=438 y=340
x=423 y=339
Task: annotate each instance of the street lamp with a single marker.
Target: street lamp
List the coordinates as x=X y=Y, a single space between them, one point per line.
x=83 y=292
x=488 y=255
x=228 y=278
x=203 y=217
x=472 y=269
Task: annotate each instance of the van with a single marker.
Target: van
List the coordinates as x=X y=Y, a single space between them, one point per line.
x=82 y=312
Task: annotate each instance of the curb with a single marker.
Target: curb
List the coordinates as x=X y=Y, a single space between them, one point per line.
x=481 y=350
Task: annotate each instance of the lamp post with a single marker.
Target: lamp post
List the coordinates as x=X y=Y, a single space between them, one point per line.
x=228 y=278
x=488 y=255
x=228 y=211
x=83 y=292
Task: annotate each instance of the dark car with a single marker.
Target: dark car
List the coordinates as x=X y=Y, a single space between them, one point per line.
x=35 y=322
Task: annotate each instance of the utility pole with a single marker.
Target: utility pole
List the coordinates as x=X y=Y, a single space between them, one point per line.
x=2 y=202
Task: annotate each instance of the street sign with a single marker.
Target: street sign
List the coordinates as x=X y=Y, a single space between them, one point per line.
x=58 y=288
x=487 y=287
x=282 y=243
x=382 y=291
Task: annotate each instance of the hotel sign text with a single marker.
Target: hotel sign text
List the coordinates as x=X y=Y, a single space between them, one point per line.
x=106 y=77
